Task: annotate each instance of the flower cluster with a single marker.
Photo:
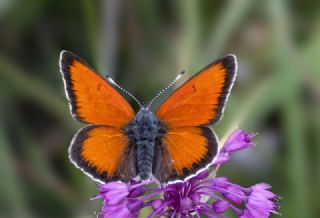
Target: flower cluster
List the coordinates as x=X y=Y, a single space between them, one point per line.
x=200 y=195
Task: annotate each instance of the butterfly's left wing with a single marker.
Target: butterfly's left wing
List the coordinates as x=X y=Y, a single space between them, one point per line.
x=188 y=145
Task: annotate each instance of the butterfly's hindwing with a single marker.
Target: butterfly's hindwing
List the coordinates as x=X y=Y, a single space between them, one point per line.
x=104 y=153
x=183 y=152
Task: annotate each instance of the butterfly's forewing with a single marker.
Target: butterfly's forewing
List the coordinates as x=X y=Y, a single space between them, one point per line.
x=197 y=103
x=92 y=99
x=201 y=100
x=101 y=150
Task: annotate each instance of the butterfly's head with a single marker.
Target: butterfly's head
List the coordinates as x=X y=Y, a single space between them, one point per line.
x=144 y=109
x=144 y=116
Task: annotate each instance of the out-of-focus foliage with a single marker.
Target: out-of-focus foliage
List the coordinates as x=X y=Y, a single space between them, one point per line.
x=143 y=45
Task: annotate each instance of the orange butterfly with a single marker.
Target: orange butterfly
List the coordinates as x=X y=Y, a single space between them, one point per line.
x=169 y=145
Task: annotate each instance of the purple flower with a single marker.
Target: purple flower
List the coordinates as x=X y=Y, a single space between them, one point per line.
x=114 y=192
x=120 y=199
x=238 y=140
x=259 y=203
x=190 y=198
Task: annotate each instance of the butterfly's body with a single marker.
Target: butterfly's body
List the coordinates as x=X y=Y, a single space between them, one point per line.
x=144 y=132
x=169 y=145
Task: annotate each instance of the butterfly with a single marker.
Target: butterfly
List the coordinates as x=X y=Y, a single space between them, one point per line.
x=172 y=144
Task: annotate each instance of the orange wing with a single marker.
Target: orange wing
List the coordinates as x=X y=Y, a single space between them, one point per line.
x=92 y=99
x=201 y=100
x=103 y=153
x=183 y=152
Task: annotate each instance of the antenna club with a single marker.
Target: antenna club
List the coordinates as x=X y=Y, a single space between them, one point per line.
x=111 y=80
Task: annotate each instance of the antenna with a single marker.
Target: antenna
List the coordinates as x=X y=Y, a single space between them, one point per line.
x=123 y=90
x=166 y=88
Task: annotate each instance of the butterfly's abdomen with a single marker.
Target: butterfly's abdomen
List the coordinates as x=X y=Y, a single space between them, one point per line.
x=143 y=131
x=145 y=154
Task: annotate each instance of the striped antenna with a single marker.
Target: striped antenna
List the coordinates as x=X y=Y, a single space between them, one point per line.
x=166 y=88
x=123 y=90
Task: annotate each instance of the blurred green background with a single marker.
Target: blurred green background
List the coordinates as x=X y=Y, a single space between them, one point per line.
x=143 y=45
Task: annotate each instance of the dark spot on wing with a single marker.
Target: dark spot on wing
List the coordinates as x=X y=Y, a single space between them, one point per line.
x=194 y=88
